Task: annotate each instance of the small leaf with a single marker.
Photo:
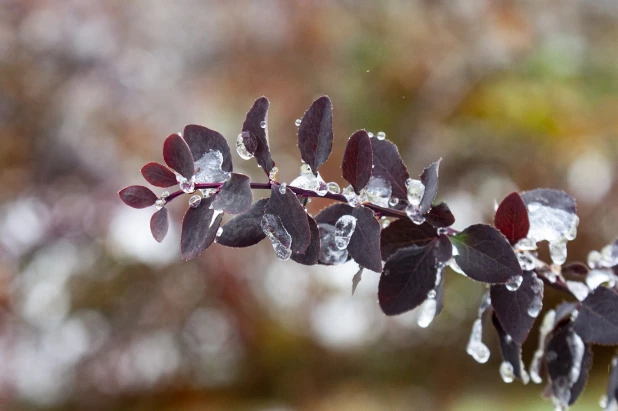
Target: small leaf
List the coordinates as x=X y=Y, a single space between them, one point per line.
x=597 y=321
x=332 y=213
x=511 y=350
x=408 y=276
x=358 y=160
x=310 y=257
x=485 y=255
x=177 y=156
x=315 y=133
x=364 y=246
x=244 y=230
x=198 y=229
x=429 y=178
x=137 y=196
x=440 y=216
x=512 y=218
x=511 y=307
x=404 y=233
x=293 y=216
x=201 y=140
x=389 y=166
x=235 y=195
x=159 y=224
x=158 y=175
x=253 y=124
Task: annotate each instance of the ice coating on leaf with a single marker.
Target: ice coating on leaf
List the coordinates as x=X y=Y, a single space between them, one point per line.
x=208 y=168
x=415 y=190
x=514 y=283
x=609 y=255
x=546 y=327
x=186 y=185
x=427 y=312
x=345 y=227
x=526 y=260
x=476 y=348
x=333 y=187
x=278 y=236
x=272 y=175
x=310 y=182
x=598 y=276
x=329 y=252
x=354 y=199
x=506 y=372
x=195 y=201
x=525 y=244
x=415 y=214
x=558 y=251
x=562 y=385
x=579 y=290
x=241 y=149
x=537 y=302
x=379 y=191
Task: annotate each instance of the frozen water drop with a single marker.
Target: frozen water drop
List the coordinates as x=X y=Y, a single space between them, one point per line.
x=594 y=259
x=322 y=187
x=305 y=169
x=219 y=231
x=208 y=192
x=186 y=185
x=370 y=134
x=297 y=122
x=241 y=149
x=333 y=188
x=282 y=188
x=442 y=230
x=506 y=372
x=427 y=313
x=415 y=191
x=386 y=223
x=415 y=214
x=579 y=290
x=263 y=124
x=345 y=227
x=272 y=176
x=278 y=236
x=526 y=244
x=603 y=401
x=378 y=191
x=598 y=276
x=526 y=261
x=208 y=168
x=558 y=251
x=431 y=294
x=195 y=201
x=609 y=255
x=165 y=194
x=381 y=135
x=160 y=203
x=514 y=283
x=551 y=224
x=475 y=347
x=329 y=252
x=393 y=201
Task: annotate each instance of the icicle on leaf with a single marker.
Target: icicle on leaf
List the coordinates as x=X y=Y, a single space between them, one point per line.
x=292 y=214
x=511 y=352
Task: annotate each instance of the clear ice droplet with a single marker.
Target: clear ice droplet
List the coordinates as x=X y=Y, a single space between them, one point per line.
x=514 y=283
x=415 y=214
x=415 y=190
x=329 y=252
x=241 y=149
x=579 y=290
x=598 y=276
x=526 y=261
x=431 y=294
x=345 y=227
x=186 y=185
x=195 y=201
x=558 y=251
x=547 y=325
x=297 y=122
x=393 y=201
x=272 y=176
x=370 y=134
x=427 y=313
x=379 y=191
x=283 y=188
x=594 y=259
x=278 y=236
x=381 y=135
x=263 y=124
x=526 y=244
x=333 y=188
x=506 y=372
x=475 y=347
x=160 y=203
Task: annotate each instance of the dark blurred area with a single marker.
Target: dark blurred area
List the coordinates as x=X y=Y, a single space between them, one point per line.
x=95 y=314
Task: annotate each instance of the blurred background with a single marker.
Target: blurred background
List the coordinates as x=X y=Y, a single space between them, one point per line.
x=94 y=314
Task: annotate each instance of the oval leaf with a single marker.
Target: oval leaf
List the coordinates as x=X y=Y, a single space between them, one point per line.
x=177 y=156
x=404 y=233
x=485 y=255
x=440 y=216
x=201 y=140
x=244 y=230
x=158 y=175
x=159 y=224
x=256 y=115
x=198 y=229
x=235 y=195
x=429 y=178
x=389 y=166
x=137 y=196
x=358 y=160
x=512 y=218
x=315 y=133
x=597 y=321
x=310 y=257
x=364 y=246
x=293 y=216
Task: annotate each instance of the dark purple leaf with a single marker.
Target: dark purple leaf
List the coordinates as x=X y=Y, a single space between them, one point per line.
x=235 y=195
x=315 y=133
x=408 y=276
x=511 y=350
x=256 y=115
x=612 y=386
x=440 y=216
x=445 y=248
x=575 y=269
x=159 y=224
x=511 y=307
x=293 y=217
x=202 y=140
x=332 y=213
x=250 y=142
x=158 y=175
x=550 y=198
x=310 y=257
x=485 y=255
x=429 y=178
x=137 y=196
x=597 y=321
x=245 y=230
x=512 y=218
x=560 y=357
x=198 y=229
x=357 y=160
x=364 y=245
x=403 y=233
x=389 y=166
x=177 y=156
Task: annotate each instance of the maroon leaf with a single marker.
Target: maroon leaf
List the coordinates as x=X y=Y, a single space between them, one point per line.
x=310 y=257
x=364 y=246
x=158 y=175
x=404 y=233
x=244 y=230
x=293 y=217
x=253 y=124
x=137 y=196
x=511 y=307
x=315 y=133
x=198 y=229
x=389 y=166
x=235 y=195
x=408 y=276
x=440 y=216
x=511 y=350
x=429 y=178
x=177 y=155
x=332 y=213
x=512 y=218
x=250 y=142
x=202 y=140
x=159 y=224
x=597 y=321
x=485 y=255
x=358 y=160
